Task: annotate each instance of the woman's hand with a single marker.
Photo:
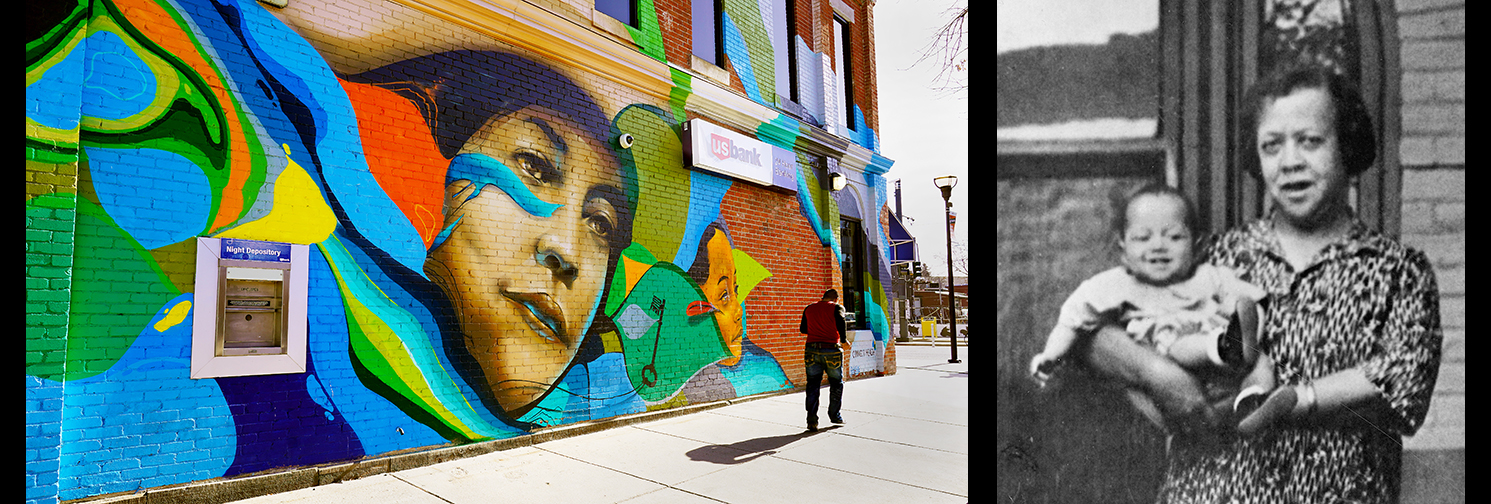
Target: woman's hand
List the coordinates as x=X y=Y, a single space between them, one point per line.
x=1042 y=365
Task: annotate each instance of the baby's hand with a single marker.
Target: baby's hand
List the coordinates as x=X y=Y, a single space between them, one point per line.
x=1041 y=367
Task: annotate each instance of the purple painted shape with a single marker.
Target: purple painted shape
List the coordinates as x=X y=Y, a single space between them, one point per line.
x=783 y=169
x=280 y=424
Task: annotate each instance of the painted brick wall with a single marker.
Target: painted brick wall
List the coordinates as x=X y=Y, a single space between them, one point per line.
x=769 y=221
x=1432 y=151
x=51 y=222
x=333 y=126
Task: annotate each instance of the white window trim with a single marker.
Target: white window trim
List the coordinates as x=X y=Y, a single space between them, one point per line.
x=205 y=362
x=844 y=10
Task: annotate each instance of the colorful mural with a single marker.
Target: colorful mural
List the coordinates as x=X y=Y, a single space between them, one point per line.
x=486 y=258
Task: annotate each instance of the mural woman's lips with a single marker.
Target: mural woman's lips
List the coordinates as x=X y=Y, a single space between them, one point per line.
x=542 y=313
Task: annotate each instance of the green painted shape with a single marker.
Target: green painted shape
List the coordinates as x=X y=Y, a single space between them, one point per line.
x=387 y=383
x=649 y=36
x=825 y=207
x=748 y=273
x=747 y=17
x=117 y=287
x=663 y=183
x=52 y=218
x=781 y=131
x=661 y=359
x=678 y=97
x=617 y=292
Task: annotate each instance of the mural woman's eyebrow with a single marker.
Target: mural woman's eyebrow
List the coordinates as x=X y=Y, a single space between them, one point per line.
x=554 y=137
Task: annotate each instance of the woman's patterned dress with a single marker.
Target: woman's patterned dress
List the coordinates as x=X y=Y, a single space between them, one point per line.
x=1366 y=302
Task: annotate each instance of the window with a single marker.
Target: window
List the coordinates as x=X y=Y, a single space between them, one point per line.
x=707 y=23
x=852 y=243
x=623 y=10
x=1096 y=78
x=783 y=13
x=845 y=69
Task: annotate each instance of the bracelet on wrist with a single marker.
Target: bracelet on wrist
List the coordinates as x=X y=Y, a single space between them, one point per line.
x=1309 y=398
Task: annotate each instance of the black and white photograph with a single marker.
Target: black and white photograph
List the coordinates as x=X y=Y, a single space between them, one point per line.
x=1231 y=251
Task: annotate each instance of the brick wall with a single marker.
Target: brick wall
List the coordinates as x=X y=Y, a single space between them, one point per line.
x=1432 y=152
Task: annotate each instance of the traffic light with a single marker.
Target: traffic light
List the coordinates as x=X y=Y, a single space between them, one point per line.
x=916 y=268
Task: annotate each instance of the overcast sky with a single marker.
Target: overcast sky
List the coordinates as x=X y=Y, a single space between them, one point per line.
x=924 y=131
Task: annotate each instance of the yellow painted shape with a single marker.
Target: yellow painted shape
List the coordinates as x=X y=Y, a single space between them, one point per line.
x=173 y=317
x=748 y=273
x=634 y=271
x=299 y=215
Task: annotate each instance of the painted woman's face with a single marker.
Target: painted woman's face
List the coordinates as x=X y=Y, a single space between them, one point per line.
x=525 y=260
x=721 y=290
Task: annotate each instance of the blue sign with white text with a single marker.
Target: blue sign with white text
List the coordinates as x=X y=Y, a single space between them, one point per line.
x=253 y=250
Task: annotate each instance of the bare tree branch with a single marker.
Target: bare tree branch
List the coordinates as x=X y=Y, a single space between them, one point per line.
x=947 y=50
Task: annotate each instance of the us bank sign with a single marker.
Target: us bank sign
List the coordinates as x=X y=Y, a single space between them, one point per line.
x=715 y=149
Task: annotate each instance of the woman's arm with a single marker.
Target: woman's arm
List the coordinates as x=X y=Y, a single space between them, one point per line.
x=1396 y=382
x=1348 y=389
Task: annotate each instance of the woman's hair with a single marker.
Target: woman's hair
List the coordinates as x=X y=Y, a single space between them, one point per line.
x=1355 y=136
x=459 y=91
x=699 y=271
x=1121 y=221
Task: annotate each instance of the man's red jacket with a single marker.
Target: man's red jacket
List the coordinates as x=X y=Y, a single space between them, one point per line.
x=823 y=322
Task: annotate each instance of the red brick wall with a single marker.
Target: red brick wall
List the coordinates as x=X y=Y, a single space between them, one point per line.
x=768 y=225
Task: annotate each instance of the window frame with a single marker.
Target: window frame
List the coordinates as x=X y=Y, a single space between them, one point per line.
x=794 y=94
x=844 y=43
x=718 y=56
x=632 y=16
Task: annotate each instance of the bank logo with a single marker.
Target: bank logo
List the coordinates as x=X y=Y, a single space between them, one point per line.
x=720 y=146
x=723 y=149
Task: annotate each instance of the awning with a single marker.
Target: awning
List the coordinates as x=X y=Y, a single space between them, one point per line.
x=902 y=245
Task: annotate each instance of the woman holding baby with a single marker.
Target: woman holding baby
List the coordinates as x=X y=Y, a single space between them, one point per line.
x=1352 y=321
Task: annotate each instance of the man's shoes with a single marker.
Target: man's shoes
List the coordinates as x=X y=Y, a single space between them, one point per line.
x=838 y=420
x=813 y=424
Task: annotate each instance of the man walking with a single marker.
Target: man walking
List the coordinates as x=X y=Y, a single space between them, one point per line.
x=823 y=322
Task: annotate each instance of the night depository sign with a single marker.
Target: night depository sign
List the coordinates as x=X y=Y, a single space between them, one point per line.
x=719 y=150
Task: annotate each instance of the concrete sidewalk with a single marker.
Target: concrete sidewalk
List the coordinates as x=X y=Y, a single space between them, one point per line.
x=905 y=440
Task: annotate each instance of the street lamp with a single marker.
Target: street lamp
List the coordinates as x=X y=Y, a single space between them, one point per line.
x=946 y=184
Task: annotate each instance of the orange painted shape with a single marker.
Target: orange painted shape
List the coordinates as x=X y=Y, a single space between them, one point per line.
x=401 y=154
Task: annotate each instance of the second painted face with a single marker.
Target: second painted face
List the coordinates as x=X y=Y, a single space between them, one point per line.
x=722 y=291
x=525 y=261
x=1157 y=244
x=1299 y=154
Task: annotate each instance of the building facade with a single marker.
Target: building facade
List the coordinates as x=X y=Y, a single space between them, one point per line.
x=264 y=237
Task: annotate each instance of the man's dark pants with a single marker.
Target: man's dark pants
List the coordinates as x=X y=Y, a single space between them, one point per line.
x=820 y=359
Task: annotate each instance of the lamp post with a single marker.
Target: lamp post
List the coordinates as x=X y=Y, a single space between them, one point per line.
x=946 y=184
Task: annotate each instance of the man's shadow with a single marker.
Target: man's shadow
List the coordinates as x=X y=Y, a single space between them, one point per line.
x=750 y=449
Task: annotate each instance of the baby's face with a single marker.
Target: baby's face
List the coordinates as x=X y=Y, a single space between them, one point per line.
x=1157 y=244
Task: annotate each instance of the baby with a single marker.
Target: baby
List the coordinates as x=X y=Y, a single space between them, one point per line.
x=1199 y=315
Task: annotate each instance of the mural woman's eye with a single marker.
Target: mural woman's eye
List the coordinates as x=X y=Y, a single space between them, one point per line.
x=535 y=164
x=600 y=216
